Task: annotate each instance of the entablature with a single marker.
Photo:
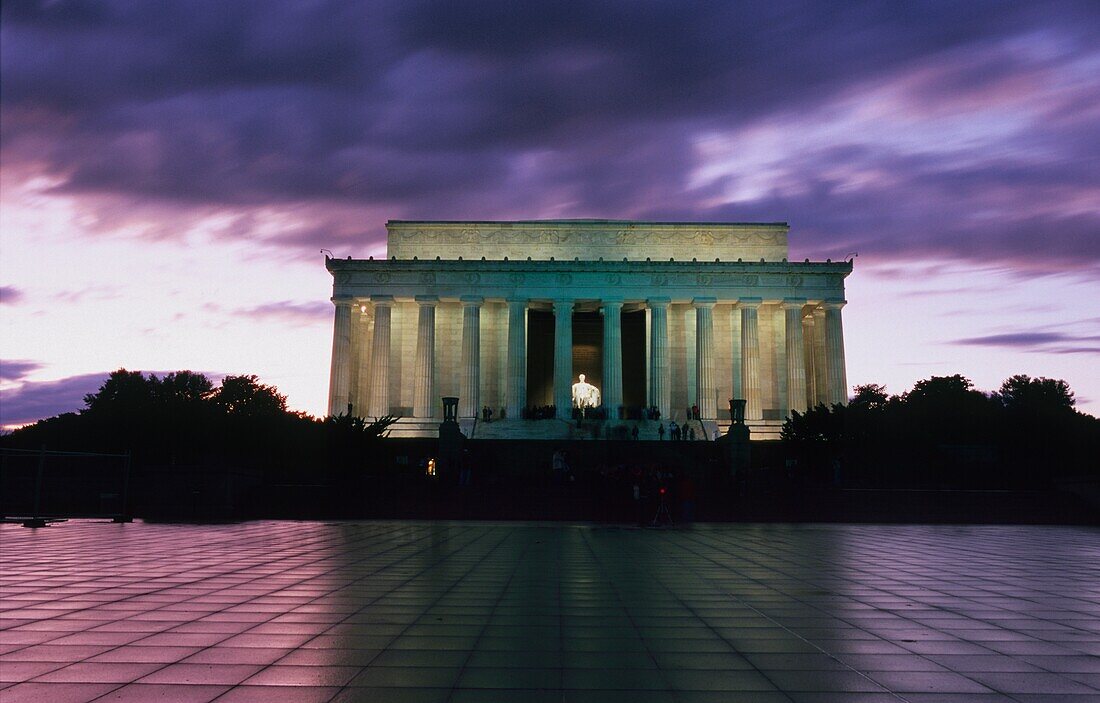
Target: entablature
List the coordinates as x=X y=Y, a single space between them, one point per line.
x=681 y=281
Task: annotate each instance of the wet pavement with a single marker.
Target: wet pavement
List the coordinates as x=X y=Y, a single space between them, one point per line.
x=416 y=611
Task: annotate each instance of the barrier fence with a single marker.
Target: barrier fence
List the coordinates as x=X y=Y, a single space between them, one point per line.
x=38 y=486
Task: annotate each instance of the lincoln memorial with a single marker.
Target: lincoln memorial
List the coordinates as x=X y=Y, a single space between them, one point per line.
x=674 y=318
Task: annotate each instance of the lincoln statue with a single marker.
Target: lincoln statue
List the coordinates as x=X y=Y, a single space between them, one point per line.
x=659 y=316
x=585 y=395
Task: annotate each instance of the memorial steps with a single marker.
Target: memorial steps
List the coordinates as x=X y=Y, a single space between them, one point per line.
x=759 y=430
x=414 y=427
x=555 y=429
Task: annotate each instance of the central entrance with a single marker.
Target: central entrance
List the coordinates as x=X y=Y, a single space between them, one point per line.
x=587 y=354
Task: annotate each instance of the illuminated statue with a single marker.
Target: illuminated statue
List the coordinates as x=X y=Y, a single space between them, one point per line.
x=585 y=395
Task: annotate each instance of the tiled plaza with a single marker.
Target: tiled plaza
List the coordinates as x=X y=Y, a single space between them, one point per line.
x=402 y=611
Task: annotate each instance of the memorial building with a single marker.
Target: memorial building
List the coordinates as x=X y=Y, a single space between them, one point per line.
x=667 y=321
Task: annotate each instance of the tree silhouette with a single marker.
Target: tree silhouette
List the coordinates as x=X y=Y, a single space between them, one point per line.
x=246 y=396
x=1037 y=396
x=871 y=395
x=945 y=432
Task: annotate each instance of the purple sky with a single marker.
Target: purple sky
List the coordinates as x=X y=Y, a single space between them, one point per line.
x=170 y=170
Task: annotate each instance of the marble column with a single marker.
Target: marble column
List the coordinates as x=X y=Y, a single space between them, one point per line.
x=750 y=358
x=834 y=352
x=808 y=359
x=563 y=358
x=796 y=361
x=821 y=369
x=735 y=351
x=704 y=358
x=339 y=383
x=469 y=383
x=353 y=406
x=515 y=396
x=424 y=379
x=660 y=372
x=612 y=391
x=380 y=357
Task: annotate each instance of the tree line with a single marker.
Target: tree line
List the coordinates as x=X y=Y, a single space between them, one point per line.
x=943 y=432
x=182 y=418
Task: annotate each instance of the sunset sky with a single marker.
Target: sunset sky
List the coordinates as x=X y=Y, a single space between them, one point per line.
x=170 y=171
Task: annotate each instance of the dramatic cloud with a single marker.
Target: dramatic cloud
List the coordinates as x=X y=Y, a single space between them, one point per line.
x=948 y=129
x=171 y=169
x=12 y=370
x=10 y=295
x=35 y=400
x=291 y=313
x=1049 y=342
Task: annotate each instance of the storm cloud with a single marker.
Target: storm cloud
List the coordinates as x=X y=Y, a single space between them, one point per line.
x=34 y=400
x=1047 y=342
x=10 y=295
x=903 y=131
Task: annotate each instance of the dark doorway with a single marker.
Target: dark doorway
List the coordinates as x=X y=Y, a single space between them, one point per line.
x=540 y=358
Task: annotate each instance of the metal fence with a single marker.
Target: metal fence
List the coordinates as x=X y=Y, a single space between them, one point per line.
x=40 y=486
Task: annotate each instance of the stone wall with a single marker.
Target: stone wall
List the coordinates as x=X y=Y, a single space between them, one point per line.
x=588 y=240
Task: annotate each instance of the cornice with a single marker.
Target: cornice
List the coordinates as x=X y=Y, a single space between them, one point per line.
x=579 y=266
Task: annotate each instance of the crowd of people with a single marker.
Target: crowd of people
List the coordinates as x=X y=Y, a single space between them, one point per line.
x=602 y=412
x=674 y=431
x=540 y=412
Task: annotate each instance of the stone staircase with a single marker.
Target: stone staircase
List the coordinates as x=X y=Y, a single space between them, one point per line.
x=414 y=427
x=562 y=429
x=758 y=429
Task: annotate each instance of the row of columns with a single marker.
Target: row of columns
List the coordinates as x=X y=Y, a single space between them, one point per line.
x=814 y=346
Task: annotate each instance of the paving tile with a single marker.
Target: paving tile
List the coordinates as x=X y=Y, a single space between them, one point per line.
x=238 y=655
x=279 y=694
x=927 y=682
x=416 y=611
x=164 y=655
x=404 y=676
x=55 y=692
x=100 y=672
x=719 y=681
x=510 y=678
x=1010 y=683
x=162 y=693
x=314 y=675
x=393 y=695
x=229 y=674
x=16 y=672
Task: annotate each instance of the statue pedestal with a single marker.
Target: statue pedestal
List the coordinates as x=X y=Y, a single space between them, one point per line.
x=737 y=449
x=450 y=438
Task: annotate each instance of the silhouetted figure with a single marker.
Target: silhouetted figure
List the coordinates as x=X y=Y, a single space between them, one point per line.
x=634 y=432
x=661 y=431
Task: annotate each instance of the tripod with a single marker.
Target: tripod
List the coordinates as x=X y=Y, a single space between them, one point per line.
x=662 y=514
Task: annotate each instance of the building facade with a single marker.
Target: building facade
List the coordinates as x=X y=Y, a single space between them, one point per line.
x=506 y=315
